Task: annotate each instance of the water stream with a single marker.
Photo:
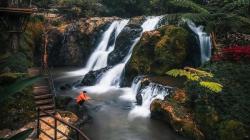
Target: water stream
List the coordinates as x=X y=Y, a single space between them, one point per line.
x=115 y=113
x=110 y=111
x=113 y=77
x=204 y=41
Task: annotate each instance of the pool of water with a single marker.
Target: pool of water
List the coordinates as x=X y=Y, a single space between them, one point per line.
x=110 y=113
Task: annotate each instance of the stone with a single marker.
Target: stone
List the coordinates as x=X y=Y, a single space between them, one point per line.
x=159 y=51
x=66 y=116
x=91 y=78
x=177 y=117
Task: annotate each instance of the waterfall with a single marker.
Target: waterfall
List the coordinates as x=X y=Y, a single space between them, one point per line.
x=113 y=76
x=149 y=93
x=99 y=57
x=204 y=41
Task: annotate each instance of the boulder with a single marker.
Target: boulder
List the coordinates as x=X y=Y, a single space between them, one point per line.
x=91 y=78
x=159 y=51
x=124 y=43
x=71 y=44
x=176 y=115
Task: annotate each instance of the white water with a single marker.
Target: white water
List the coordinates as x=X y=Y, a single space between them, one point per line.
x=149 y=93
x=99 y=58
x=113 y=76
x=204 y=41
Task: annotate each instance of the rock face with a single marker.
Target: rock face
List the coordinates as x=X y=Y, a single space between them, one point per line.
x=125 y=40
x=159 y=51
x=71 y=44
x=176 y=115
x=91 y=78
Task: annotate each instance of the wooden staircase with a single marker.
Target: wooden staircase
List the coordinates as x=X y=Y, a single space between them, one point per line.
x=44 y=95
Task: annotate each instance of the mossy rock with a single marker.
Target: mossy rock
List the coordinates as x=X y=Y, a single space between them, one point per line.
x=232 y=130
x=159 y=51
x=177 y=117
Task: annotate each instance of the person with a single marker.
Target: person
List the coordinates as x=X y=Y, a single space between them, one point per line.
x=82 y=97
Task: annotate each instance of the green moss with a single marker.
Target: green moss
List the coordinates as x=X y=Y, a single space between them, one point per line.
x=232 y=130
x=159 y=51
x=17 y=110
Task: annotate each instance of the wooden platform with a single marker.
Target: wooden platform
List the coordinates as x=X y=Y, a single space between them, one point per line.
x=23 y=11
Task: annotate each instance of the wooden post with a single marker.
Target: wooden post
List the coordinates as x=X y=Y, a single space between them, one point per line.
x=38 y=124
x=55 y=133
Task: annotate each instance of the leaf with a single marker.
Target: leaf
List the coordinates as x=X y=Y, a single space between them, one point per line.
x=180 y=72
x=22 y=135
x=17 y=86
x=189 y=4
x=213 y=86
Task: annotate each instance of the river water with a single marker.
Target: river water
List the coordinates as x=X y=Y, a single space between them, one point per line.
x=110 y=111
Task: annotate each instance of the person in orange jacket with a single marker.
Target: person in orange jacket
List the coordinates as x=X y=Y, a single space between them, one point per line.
x=82 y=97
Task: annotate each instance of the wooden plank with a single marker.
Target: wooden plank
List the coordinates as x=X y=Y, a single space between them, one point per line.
x=27 y=11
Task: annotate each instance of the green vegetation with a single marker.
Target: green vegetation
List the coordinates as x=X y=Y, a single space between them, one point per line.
x=197 y=76
x=224 y=115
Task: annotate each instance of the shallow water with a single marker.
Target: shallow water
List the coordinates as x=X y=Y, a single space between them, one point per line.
x=110 y=112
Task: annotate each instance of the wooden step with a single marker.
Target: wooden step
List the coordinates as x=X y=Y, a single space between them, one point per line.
x=45 y=96
x=40 y=91
x=41 y=87
x=47 y=107
x=44 y=102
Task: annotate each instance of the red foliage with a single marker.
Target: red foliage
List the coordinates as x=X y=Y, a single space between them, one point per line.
x=234 y=53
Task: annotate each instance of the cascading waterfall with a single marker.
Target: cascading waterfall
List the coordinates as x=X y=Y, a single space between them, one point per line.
x=204 y=41
x=99 y=57
x=149 y=93
x=114 y=75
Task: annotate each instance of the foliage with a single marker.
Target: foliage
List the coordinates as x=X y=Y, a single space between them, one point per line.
x=213 y=110
x=233 y=53
x=232 y=130
x=22 y=135
x=197 y=75
x=17 y=86
x=189 y=4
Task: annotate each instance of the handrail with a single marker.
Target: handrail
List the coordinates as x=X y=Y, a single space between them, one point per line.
x=56 y=119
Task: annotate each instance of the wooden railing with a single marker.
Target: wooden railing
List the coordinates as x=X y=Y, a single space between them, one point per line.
x=79 y=134
x=16 y=3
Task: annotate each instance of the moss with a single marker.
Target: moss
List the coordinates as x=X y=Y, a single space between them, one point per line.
x=231 y=104
x=232 y=130
x=159 y=51
x=17 y=110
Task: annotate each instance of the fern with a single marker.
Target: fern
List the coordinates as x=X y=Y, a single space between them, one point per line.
x=197 y=76
x=215 y=87
x=181 y=73
x=242 y=2
x=189 y=4
x=199 y=73
x=17 y=86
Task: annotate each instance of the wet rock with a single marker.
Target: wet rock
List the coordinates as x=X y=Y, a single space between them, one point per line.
x=123 y=43
x=176 y=115
x=139 y=99
x=91 y=78
x=71 y=44
x=66 y=87
x=159 y=51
